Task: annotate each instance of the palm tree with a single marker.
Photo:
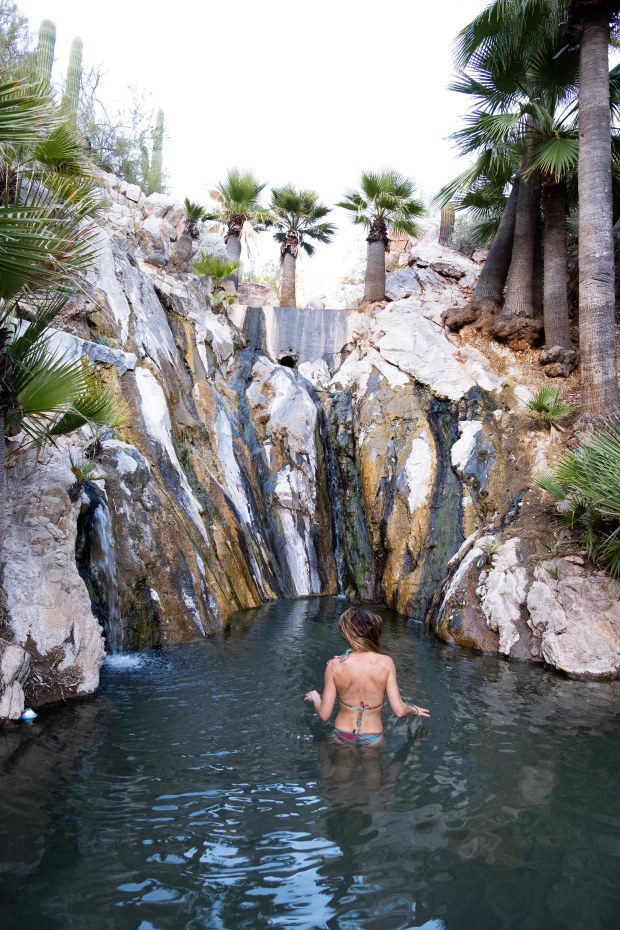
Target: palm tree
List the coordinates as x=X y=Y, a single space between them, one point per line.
x=47 y=205
x=597 y=340
x=210 y=266
x=296 y=216
x=385 y=203
x=237 y=200
x=481 y=191
x=519 y=66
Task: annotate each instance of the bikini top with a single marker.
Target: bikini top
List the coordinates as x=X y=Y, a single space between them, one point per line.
x=362 y=705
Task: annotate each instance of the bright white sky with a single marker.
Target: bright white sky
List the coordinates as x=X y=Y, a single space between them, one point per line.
x=309 y=93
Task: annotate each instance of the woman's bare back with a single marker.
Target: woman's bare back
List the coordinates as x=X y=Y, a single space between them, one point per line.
x=361 y=680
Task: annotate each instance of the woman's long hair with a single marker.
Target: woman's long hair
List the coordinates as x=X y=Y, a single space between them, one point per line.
x=361 y=629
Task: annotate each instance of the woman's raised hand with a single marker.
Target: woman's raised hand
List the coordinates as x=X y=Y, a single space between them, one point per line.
x=314 y=697
x=419 y=711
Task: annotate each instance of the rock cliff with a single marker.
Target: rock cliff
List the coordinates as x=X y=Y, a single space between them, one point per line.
x=276 y=453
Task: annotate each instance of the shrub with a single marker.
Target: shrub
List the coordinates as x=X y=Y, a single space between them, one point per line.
x=546 y=407
x=586 y=486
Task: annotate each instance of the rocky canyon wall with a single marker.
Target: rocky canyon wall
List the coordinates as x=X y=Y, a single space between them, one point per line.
x=268 y=453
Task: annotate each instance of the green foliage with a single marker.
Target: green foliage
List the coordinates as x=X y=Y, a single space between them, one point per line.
x=207 y=265
x=48 y=201
x=237 y=198
x=297 y=216
x=194 y=212
x=73 y=83
x=151 y=180
x=84 y=470
x=586 y=485
x=45 y=51
x=388 y=197
x=546 y=406
x=14 y=36
x=94 y=405
x=521 y=76
x=158 y=150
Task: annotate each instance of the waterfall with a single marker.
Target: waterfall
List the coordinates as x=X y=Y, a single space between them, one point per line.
x=96 y=561
x=103 y=564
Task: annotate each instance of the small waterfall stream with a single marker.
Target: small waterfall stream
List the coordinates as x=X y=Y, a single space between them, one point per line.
x=96 y=558
x=103 y=562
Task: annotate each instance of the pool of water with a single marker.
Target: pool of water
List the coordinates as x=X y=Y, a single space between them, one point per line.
x=196 y=790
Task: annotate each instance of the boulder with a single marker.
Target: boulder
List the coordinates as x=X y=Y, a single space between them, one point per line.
x=576 y=615
x=257 y=294
x=519 y=332
x=158 y=259
x=401 y=284
x=51 y=645
x=212 y=244
x=448 y=270
x=155 y=235
x=132 y=192
x=156 y=205
x=558 y=361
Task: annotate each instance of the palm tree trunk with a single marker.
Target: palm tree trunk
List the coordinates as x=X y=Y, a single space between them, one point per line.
x=520 y=284
x=374 y=285
x=555 y=307
x=288 y=296
x=233 y=254
x=538 y=285
x=597 y=332
x=489 y=290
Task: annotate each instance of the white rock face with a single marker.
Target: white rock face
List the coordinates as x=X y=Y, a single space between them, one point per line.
x=577 y=616
x=428 y=356
x=419 y=471
x=464 y=449
x=402 y=284
x=157 y=422
x=288 y=419
x=505 y=591
x=48 y=613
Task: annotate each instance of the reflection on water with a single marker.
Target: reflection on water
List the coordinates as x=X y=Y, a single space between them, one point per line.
x=197 y=790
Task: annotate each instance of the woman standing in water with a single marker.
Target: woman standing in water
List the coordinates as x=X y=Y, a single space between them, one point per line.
x=360 y=678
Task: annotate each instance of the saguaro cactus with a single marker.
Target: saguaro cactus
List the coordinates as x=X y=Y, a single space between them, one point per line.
x=71 y=96
x=45 y=50
x=158 y=149
x=446 y=227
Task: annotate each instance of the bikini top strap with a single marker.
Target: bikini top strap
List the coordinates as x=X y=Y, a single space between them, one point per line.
x=363 y=706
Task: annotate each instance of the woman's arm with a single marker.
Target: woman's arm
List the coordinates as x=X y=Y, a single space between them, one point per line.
x=396 y=702
x=324 y=704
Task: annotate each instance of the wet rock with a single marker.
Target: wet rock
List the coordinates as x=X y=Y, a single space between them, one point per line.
x=472 y=454
x=519 y=333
